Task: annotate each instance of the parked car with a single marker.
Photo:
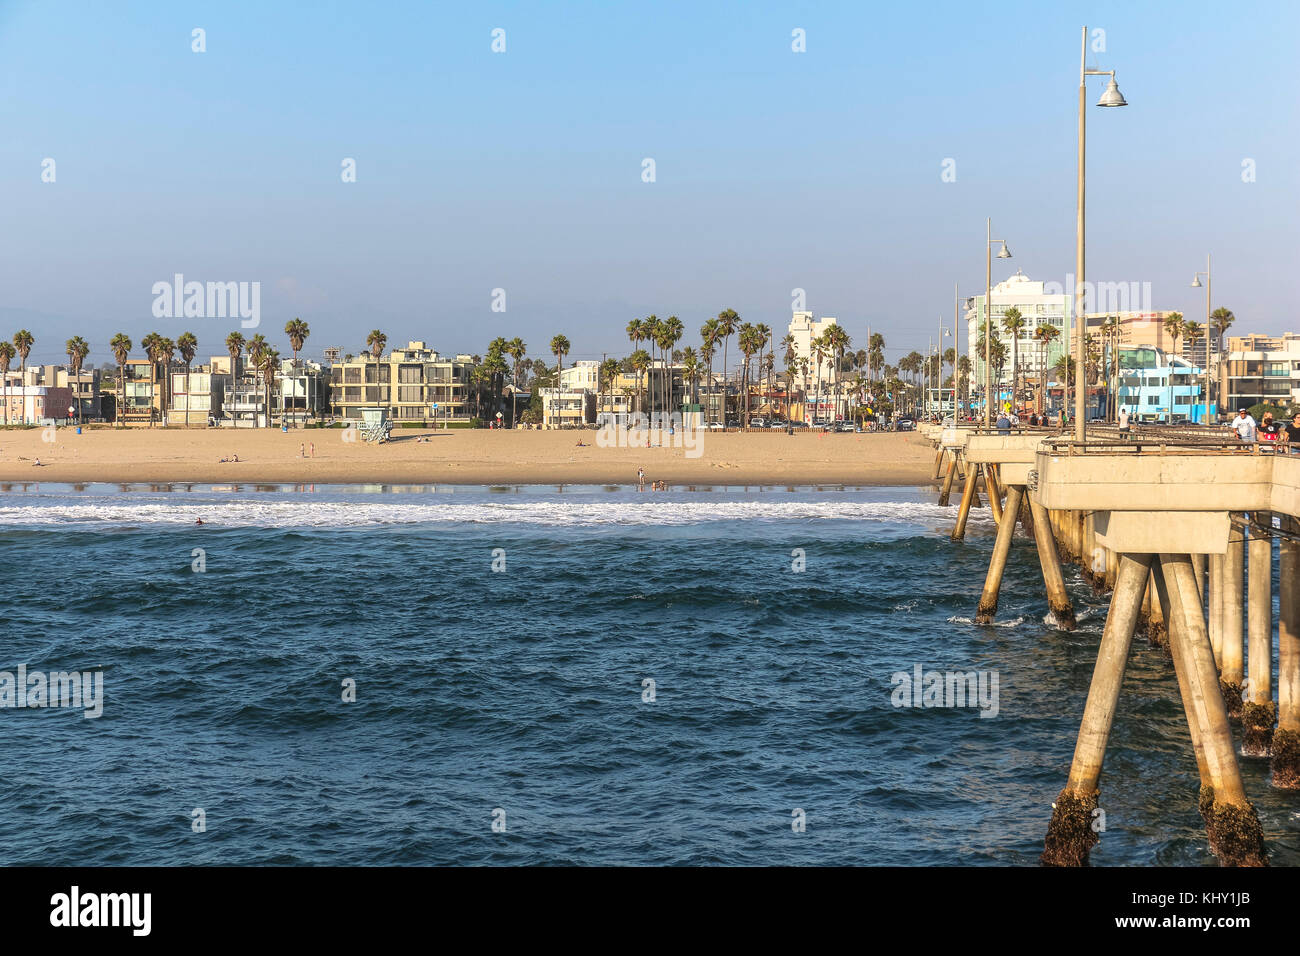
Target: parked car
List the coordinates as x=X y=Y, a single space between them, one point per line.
x=846 y=426
x=715 y=426
x=775 y=423
x=905 y=425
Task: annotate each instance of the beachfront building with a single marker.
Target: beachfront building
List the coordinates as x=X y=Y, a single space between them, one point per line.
x=1260 y=376
x=571 y=402
x=300 y=393
x=1151 y=379
x=35 y=404
x=140 y=393
x=85 y=386
x=198 y=397
x=1037 y=306
x=407 y=381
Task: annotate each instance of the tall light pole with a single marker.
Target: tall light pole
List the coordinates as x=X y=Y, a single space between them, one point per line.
x=1112 y=97
x=956 y=350
x=988 y=321
x=1196 y=284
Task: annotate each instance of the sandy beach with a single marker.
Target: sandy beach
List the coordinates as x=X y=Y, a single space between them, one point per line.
x=457 y=456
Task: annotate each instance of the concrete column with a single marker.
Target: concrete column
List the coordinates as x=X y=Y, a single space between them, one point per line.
x=994 y=488
x=1234 y=570
x=938 y=463
x=1198 y=568
x=946 y=492
x=988 y=605
x=1257 y=711
x=1216 y=608
x=1112 y=569
x=967 y=494
x=1070 y=836
x=1286 y=741
x=1236 y=837
x=1094 y=562
x=1058 y=599
x=1157 y=630
x=1173 y=622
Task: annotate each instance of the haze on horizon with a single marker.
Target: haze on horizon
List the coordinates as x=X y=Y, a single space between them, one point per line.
x=522 y=170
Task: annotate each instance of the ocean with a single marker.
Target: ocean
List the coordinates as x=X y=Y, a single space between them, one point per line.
x=571 y=675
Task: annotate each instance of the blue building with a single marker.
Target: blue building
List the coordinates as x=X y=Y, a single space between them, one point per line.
x=1157 y=387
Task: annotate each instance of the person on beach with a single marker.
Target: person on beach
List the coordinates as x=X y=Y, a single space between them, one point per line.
x=302 y=450
x=1123 y=419
x=1244 y=426
x=313 y=449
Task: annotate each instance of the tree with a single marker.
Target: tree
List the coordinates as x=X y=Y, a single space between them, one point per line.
x=670 y=333
x=270 y=361
x=1193 y=332
x=710 y=332
x=1013 y=322
x=6 y=356
x=297 y=330
x=187 y=344
x=638 y=362
x=728 y=322
x=23 y=342
x=1044 y=334
x=375 y=342
x=256 y=349
x=1221 y=320
x=1175 y=329
x=77 y=351
x=607 y=374
x=691 y=369
x=121 y=346
x=559 y=348
x=837 y=340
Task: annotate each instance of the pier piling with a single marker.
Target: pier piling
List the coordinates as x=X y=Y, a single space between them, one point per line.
x=1257 y=712
x=1231 y=656
x=1058 y=599
x=1286 y=740
x=967 y=496
x=1070 y=836
x=946 y=492
x=988 y=605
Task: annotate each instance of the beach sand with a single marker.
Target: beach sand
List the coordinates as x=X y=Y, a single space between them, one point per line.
x=458 y=456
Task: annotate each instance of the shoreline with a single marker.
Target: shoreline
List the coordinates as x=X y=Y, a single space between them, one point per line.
x=480 y=457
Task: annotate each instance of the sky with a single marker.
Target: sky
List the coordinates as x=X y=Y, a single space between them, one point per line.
x=524 y=171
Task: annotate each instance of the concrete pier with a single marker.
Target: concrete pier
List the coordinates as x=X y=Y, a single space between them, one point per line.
x=1231 y=654
x=1070 y=836
x=1286 y=740
x=1257 y=711
x=967 y=497
x=946 y=492
x=988 y=605
x=1058 y=599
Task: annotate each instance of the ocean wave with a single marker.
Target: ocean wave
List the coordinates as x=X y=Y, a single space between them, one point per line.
x=111 y=512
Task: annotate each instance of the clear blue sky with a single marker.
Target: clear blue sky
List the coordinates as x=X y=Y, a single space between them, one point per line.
x=522 y=170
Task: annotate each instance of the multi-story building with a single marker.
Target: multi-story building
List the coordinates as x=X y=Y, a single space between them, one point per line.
x=1135 y=329
x=408 y=382
x=804 y=328
x=301 y=392
x=84 y=386
x=1037 y=307
x=1255 y=376
x=34 y=404
x=1158 y=387
x=198 y=398
x=139 y=393
x=1257 y=342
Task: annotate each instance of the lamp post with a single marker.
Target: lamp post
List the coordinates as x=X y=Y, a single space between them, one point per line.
x=1112 y=97
x=1196 y=284
x=988 y=321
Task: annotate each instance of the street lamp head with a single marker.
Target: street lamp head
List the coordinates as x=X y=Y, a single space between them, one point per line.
x=1112 y=96
x=1196 y=282
x=1004 y=253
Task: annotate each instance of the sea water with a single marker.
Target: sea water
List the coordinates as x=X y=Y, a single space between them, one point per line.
x=583 y=674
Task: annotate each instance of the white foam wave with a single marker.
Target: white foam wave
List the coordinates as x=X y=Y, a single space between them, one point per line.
x=267 y=513
x=1014 y=622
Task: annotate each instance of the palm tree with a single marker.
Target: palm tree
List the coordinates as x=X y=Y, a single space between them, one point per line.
x=121 y=346
x=297 y=330
x=1013 y=322
x=1194 y=332
x=152 y=345
x=709 y=335
x=375 y=342
x=670 y=333
x=838 y=340
x=728 y=321
x=559 y=348
x=187 y=344
x=23 y=342
x=691 y=369
x=1175 y=329
x=608 y=373
x=77 y=350
x=1044 y=334
x=270 y=362
x=1221 y=320
x=639 y=361
x=6 y=356
x=820 y=348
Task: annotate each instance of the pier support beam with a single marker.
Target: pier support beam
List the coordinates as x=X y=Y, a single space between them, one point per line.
x=1070 y=836
x=1234 y=570
x=1231 y=823
x=1286 y=741
x=1198 y=569
x=1257 y=713
x=1173 y=622
x=967 y=497
x=1216 y=608
x=994 y=489
x=938 y=464
x=946 y=492
x=988 y=605
x=1058 y=599
x=1157 y=630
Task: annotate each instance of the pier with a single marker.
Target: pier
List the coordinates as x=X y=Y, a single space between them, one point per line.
x=1177 y=526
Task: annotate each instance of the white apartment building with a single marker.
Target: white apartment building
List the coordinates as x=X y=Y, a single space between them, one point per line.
x=805 y=328
x=1037 y=307
x=572 y=403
